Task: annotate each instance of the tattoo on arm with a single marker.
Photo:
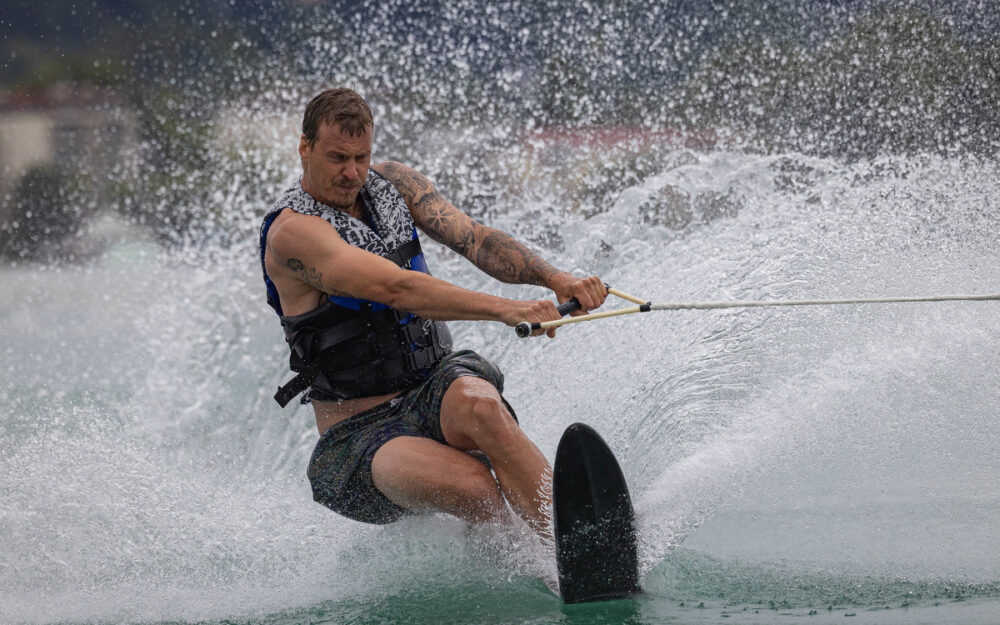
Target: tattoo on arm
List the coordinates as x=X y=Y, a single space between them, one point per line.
x=446 y=225
x=463 y=246
x=309 y=275
x=493 y=251
x=510 y=261
x=415 y=188
x=436 y=216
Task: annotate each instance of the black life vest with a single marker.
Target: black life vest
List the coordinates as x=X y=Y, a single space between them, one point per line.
x=349 y=347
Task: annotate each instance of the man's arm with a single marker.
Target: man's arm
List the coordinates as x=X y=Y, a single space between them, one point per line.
x=493 y=251
x=306 y=258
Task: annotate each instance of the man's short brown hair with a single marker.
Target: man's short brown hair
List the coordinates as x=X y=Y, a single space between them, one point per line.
x=342 y=107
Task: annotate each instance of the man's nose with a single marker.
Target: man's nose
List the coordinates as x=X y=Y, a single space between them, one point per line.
x=352 y=170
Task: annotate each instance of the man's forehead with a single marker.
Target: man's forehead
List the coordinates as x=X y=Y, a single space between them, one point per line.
x=333 y=132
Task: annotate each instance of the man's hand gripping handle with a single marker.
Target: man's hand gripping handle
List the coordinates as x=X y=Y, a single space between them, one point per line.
x=524 y=329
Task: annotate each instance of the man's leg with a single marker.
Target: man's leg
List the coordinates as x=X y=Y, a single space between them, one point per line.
x=473 y=416
x=423 y=474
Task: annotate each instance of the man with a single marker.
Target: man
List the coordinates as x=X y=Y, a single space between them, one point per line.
x=398 y=412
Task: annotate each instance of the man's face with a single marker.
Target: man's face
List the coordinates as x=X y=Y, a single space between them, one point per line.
x=335 y=167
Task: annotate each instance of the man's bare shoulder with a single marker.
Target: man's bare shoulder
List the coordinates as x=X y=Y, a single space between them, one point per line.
x=291 y=231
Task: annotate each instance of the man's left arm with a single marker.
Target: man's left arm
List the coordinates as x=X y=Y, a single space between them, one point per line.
x=493 y=251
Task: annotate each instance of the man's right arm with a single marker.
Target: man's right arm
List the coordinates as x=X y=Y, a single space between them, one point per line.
x=305 y=258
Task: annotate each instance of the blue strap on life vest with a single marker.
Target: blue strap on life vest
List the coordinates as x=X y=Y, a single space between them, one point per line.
x=272 y=291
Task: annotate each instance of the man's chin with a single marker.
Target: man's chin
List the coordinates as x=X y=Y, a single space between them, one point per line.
x=343 y=200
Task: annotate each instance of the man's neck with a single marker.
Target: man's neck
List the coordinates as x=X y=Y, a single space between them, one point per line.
x=357 y=210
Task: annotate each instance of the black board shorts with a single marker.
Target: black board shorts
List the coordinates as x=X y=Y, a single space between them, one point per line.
x=340 y=469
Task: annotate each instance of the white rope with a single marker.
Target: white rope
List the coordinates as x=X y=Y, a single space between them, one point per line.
x=646 y=307
x=820 y=302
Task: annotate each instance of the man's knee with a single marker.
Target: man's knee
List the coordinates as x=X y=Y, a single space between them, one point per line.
x=473 y=416
x=487 y=417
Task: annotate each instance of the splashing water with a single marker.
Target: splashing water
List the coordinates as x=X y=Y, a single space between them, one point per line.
x=147 y=477
x=782 y=461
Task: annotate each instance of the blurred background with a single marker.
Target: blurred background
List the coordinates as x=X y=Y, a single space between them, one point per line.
x=134 y=115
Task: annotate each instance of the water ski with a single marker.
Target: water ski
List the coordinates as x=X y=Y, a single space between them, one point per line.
x=594 y=521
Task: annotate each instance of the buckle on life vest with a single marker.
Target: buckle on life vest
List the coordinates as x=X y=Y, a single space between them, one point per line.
x=420 y=359
x=411 y=333
x=293 y=387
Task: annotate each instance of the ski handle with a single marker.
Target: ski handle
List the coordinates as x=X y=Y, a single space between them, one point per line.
x=524 y=329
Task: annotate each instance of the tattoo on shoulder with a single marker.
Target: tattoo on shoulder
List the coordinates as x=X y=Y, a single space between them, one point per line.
x=404 y=178
x=309 y=275
x=415 y=188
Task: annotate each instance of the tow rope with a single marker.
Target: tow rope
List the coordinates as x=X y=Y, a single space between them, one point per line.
x=525 y=328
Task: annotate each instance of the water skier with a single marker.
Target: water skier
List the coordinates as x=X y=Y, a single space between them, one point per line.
x=397 y=409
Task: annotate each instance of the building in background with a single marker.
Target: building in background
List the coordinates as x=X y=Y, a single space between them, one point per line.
x=82 y=132
x=64 y=154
